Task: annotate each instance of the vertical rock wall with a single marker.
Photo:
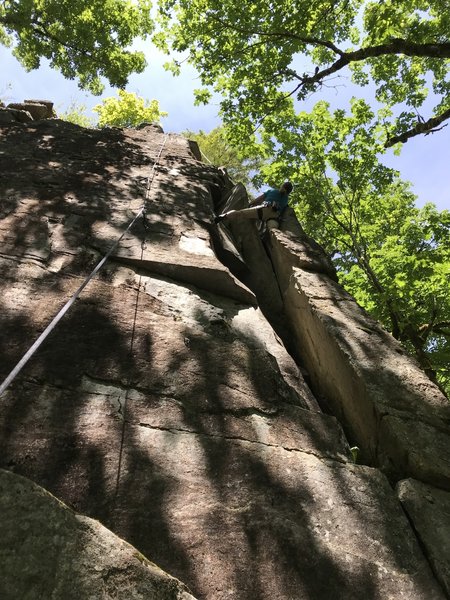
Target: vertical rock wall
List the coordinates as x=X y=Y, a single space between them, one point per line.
x=169 y=402
x=387 y=405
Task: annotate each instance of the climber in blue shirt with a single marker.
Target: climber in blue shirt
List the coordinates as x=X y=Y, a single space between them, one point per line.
x=268 y=207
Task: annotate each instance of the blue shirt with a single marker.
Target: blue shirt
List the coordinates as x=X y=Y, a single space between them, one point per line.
x=276 y=198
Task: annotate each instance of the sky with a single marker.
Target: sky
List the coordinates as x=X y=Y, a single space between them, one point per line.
x=424 y=160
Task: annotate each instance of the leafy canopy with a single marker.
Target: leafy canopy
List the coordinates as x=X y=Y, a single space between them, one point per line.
x=84 y=39
x=257 y=53
x=128 y=110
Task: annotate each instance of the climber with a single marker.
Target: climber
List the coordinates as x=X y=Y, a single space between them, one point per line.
x=268 y=207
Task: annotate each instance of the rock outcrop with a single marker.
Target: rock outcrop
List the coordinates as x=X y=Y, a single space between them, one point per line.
x=170 y=403
x=23 y=112
x=48 y=551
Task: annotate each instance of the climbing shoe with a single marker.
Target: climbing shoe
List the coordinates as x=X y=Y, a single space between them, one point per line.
x=219 y=218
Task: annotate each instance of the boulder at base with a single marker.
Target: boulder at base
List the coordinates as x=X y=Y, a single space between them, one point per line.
x=62 y=554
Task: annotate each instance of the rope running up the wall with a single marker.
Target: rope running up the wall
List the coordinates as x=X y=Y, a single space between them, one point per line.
x=26 y=357
x=124 y=405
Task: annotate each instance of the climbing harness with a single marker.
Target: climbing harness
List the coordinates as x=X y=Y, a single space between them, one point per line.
x=26 y=357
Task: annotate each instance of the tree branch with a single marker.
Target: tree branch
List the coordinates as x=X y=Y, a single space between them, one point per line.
x=443 y=328
x=395 y=46
x=422 y=127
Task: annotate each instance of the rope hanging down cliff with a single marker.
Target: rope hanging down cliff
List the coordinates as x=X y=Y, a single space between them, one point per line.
x=26 y=357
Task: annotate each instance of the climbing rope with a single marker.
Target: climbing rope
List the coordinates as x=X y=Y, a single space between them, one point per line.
x=123 y=407
x=133 y=333
x=26 y=357
x=204 y=156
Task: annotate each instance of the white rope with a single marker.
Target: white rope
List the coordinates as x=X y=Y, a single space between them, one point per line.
x=26 y=357
x=204 y=156
x=152 y=174
x=133 y=333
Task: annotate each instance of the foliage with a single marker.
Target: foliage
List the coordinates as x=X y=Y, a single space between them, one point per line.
x=217 y=149
x=257 y=53
x=393 y=257
x=412 y=267
x=76 y=113
x=84 y=39
x=129 y=110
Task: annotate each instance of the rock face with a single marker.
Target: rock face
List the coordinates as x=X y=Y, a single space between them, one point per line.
x=429 y=510
x=23 y=112
x=170 y=402
x=48 y=551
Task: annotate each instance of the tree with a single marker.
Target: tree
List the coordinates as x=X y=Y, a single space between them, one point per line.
x=75 y=113
x=412 y=267
x=258 y=53
x=216 y=149
x=84 y=39
x=128 y=110
x=391 y=256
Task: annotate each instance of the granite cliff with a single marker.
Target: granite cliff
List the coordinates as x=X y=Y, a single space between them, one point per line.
x=197 y=404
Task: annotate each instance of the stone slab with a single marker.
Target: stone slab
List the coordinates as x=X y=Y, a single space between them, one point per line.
x=161 y=403
x=384 y=400
x=49 y=551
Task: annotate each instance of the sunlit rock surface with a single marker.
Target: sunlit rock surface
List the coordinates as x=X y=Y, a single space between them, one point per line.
x=170 y=403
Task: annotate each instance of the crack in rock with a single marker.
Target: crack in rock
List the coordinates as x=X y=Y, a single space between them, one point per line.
x=176 y=430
